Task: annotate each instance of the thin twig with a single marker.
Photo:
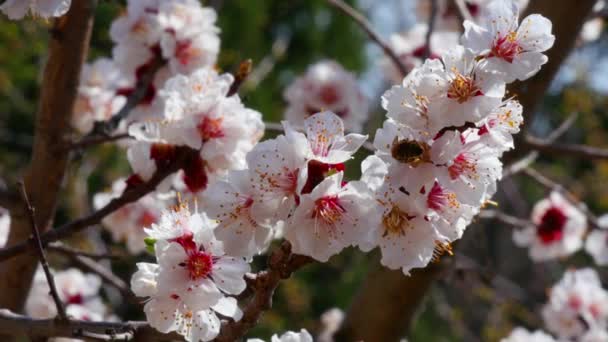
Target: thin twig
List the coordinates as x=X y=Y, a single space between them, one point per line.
x=555 y=186
x=97 y=140
x=281 y=264
x=504 y=218
x=129 y=196
x=366 y=26
x=58 y=247
x=573 y=150
x=463 y=10
x=531 y=157
x=106 y=275
x=41 y=255
x=430 y=29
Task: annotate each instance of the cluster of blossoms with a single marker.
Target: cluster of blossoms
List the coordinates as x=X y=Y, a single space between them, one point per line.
x=17 y=9
x=192 y=281
x=559 y=229
x=577 y=310
x=79 y=293
x=198 y=114
x=438 y=153
x=162 y=38
x=326 y=86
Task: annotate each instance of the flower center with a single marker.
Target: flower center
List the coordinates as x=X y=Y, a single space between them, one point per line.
x=438 y=198
x=185 y=52
x=410 y=151
x=146 y=219
x=396 y=221
x=329 y=95
x=506 y=47
x=210 y=128
x=199 y=265
x=462 y=164
x=551 y=227
x=328 y=209
x=75 y=299
x=317 y=171
x=463 y=88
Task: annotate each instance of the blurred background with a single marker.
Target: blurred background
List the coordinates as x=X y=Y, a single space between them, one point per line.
x=487 y=288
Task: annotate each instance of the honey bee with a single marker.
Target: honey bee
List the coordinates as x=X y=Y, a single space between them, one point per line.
x=410 y=151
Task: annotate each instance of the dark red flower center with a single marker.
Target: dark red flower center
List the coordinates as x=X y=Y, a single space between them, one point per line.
x=551 y=227
x=317 y=171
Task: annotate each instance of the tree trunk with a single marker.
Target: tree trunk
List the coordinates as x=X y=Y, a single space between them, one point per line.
x=68 y=47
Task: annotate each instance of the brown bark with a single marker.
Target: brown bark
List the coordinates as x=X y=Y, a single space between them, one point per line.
x=68 y=47
x=385 y=306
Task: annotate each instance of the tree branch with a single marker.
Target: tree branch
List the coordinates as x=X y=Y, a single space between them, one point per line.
x=19 y=325
x=129 y=196
x=41 y=255
x=281 y=264
x=373 y=35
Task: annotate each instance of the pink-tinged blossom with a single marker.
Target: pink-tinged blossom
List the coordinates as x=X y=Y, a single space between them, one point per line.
x=79 y=293
x=512 y=50
x=498 y=128
x=326 y=140
x=326 y=86
x=17 y=9
x=190 y=38
x=468 y=93
x=197 y=113
x=557 y=231
x=168 y=313
x=244 y=218
x=278 y=169
x=289 y=336
x=408 y=103
x=97 y=99
x=597 y=242
x=411 y=47
x=127 y=223
x=576 y=303
x=467 y=166
x=330 y=218
x=193 y=279
x=523 y=335
x=179 y=35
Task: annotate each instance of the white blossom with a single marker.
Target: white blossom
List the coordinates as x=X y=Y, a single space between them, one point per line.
x=513 y=50
x=576 y=302
x=17 y=9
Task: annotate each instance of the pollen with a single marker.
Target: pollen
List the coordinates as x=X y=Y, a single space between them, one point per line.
x=396 y=221
x=463 y=88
